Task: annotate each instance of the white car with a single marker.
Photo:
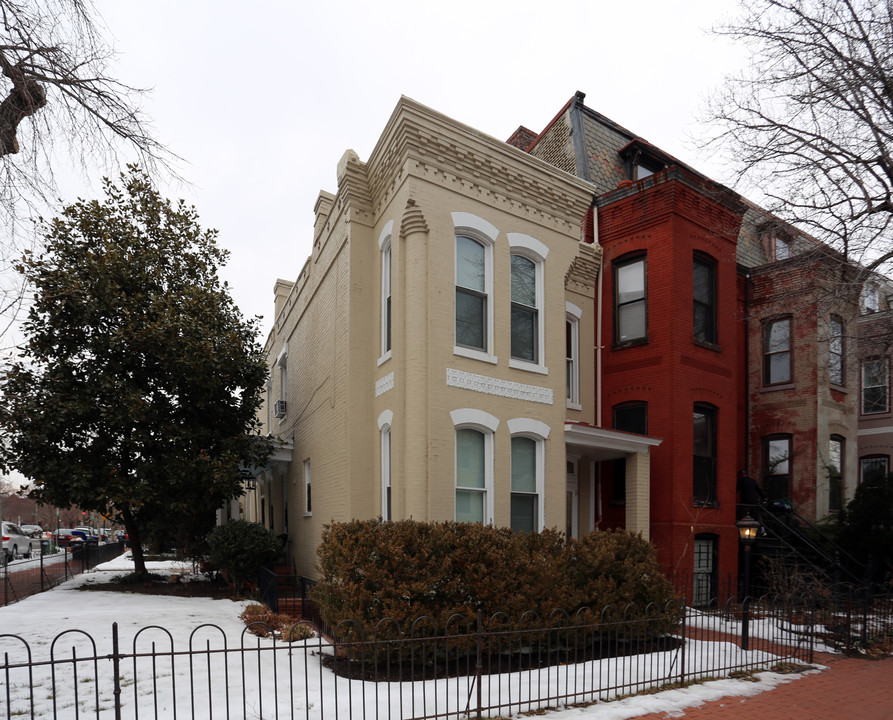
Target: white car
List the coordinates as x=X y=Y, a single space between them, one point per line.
x=15 y=542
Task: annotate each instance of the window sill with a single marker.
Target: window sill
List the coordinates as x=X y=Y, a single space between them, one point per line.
x=629 y=343
x=308 y=514
x=475 y=354
x=708 y=345
x=773 y=388
x=384 y=358
x=528 y=366
x=710 y=504
x=574 y=405
x=838 y=388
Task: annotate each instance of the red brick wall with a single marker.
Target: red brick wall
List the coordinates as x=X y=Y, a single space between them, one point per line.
x=671 y=220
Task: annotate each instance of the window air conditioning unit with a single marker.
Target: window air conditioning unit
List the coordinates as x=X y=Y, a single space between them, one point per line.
x=279 y=409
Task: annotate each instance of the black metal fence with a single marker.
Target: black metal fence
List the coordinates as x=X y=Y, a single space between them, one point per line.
x=473 y=667
x=36 y=574
x=849 y=618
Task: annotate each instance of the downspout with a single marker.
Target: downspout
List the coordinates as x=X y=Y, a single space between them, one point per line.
x=598 y=324
x=747 y=373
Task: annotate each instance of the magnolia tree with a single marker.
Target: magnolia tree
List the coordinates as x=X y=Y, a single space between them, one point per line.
x=138 y=385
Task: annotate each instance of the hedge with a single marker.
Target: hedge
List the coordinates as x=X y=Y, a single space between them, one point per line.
x=372 y=570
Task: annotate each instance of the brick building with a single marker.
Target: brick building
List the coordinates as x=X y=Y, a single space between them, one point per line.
x=732 y=338
x=570 y=329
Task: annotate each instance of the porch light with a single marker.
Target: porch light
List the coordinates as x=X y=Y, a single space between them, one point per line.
x=249 y=479
x=747 y=533
x=747 y=529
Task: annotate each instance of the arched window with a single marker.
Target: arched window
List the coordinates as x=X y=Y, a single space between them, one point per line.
x=528 y=473
x=474 y=464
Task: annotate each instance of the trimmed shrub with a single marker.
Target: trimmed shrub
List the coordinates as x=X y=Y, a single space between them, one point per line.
x=240 y=547
x=372 y=570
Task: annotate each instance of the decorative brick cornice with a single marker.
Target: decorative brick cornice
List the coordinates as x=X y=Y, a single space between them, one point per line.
x=584 y=269
x=418 y=141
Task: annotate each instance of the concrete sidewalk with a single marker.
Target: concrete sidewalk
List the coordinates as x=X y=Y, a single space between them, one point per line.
x=850 y=689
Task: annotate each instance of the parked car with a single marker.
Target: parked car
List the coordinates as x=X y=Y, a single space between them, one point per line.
x=89 y=537
x=34 y=531
x=15 y=541
x=63 y=537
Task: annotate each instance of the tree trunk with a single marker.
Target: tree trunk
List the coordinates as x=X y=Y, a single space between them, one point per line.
x=136 y=543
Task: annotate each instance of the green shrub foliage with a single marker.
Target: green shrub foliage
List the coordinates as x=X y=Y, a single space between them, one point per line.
x=372 y=570
x=240 y=547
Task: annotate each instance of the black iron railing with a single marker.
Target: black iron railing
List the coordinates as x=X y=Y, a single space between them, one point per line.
x=474 y=666
x=36 y=574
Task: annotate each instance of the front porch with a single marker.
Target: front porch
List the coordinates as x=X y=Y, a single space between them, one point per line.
x=587 y=448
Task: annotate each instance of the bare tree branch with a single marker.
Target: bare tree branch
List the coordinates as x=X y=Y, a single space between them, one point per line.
x=58 y=99
x=810 y=124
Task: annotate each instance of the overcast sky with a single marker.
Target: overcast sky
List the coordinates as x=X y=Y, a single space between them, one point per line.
x=262 y=100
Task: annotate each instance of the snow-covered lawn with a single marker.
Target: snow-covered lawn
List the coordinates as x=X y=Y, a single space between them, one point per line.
x=215 y=680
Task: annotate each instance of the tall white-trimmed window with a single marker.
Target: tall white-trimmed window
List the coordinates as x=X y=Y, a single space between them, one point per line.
x=308 y=504
x=472 y=296
x=869 y=300
x=527 y=258
x=777 y=352
x=572 y=355
x=474 y=465
x=474 y=286
x=384 y=426
x=875 y=386
x=281 y=407
x=525 y=313
x=528 y=473
x=270 y=403
x=384 y=245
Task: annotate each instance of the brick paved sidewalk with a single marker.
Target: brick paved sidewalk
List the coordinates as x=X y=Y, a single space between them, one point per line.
x=850 y=689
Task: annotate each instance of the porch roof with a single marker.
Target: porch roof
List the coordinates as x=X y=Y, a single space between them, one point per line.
x=281 y=454
x=602 y=444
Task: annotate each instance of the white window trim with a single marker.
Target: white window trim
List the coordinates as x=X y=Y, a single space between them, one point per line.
x=270 y=403
x=387 y=258
x=487 y=424
x=485 y=233
x=539 y=433
x=385 y=420
x=885 y=363
x=307 y=484
x=536 y=252
x=573 y=314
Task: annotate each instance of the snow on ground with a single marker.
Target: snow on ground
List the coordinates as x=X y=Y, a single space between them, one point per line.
x=41 y=618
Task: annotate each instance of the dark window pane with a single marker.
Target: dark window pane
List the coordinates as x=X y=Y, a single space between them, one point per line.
x=470 y=264
x=470 y=309
x=524 y=512
x=631 y=319
x=523 y=281
x=524 y=333
x=779 y=368
x=631 y=418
